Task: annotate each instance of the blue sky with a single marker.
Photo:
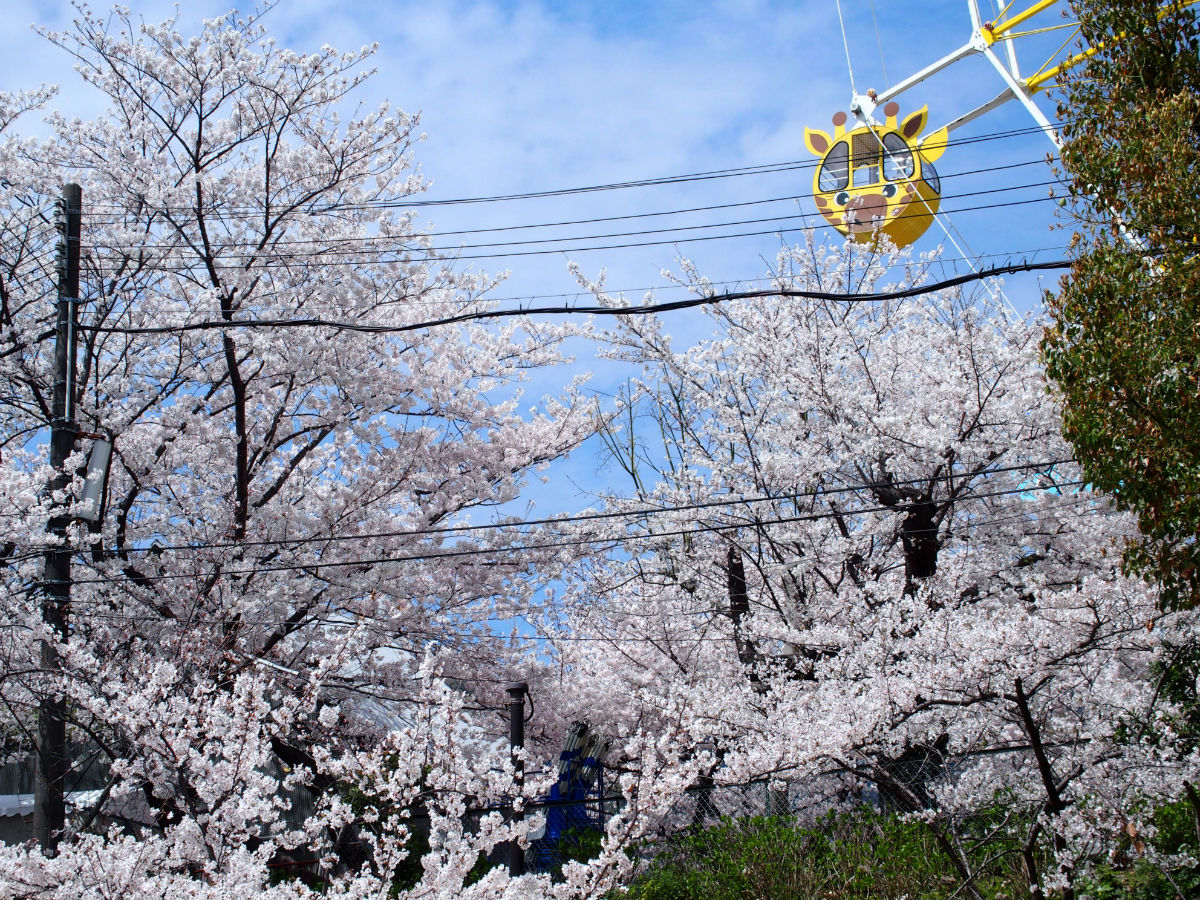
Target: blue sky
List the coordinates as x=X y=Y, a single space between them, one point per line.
x=538 y=95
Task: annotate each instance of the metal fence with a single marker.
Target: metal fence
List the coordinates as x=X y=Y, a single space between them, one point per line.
x=89 y=772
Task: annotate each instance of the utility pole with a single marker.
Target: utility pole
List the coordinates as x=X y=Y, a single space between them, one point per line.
x=516 y=743
x=49 y=809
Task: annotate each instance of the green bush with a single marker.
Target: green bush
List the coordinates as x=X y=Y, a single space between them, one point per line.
x=868 y=855
x=862 y=855
x=1129 y=877
x=1141 y=881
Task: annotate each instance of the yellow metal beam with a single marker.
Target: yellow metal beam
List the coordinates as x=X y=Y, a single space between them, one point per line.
x=995 y=30
x=1036 y=82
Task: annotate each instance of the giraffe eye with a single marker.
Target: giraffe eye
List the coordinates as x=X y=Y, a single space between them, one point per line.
x=842 y=198
x=889 y=190
x=835 y=168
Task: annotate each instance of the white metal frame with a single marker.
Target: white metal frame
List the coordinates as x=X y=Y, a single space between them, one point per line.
x=984 y=34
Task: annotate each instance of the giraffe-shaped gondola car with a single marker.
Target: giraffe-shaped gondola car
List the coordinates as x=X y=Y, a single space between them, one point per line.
x=878 y=178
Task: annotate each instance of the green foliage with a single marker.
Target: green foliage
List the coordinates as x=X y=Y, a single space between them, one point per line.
x=851 y=856
x=1176 y=826
x=1142 y=881
x=1129 y=876
x=577 y=845
x=869 y=855
x=1123 y=348
x=1177 y=676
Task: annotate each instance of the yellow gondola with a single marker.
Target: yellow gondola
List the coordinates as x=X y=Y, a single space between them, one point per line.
x=878 y=178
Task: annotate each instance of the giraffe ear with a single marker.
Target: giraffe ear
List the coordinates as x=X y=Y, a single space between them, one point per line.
x=914 y=123
x=933 y=145
x=818 y=142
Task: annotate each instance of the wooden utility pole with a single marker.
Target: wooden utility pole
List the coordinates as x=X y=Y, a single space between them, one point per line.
x=53 y=763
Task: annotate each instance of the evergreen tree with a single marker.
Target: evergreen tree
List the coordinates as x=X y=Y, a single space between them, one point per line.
x=1123 y=347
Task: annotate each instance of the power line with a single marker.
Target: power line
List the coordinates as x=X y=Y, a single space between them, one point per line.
x=808 y=221
x=410 y=302
x=633 y=216
x=409 y=254
x=467 y=552
x=373 y=245
x=636 y=309
x=713 y=174
x=718 y=206
x=261 y=307
x=639 y=512
x=498 y=637
x=769 y=168
x=325 y=246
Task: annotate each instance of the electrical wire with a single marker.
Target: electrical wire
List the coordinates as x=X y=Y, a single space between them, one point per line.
x=315 y=566
x=638 y=309
x=330 y=243
x=764 y=168
x=810 y=222
x=718 y=206
x=638 y=512
x=361 y=620
x=372 y=243
x=262 y=308
x=945 y=177
x=411 y=302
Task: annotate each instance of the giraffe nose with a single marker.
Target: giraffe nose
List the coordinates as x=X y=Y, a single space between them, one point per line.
x=862 y=211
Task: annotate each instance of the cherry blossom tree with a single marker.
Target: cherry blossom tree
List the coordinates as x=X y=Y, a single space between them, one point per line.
x=262 y=622
x=860 y=549
x=859 y=545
